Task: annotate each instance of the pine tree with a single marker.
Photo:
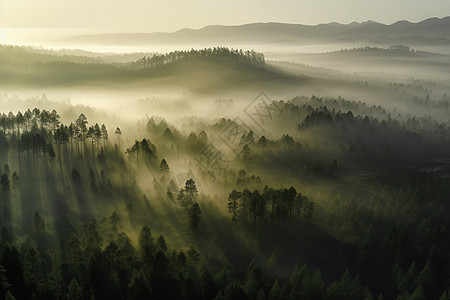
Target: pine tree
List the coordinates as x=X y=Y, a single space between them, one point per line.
x=131 y=212
x=114 y=221
x=233 y=207
x=161 y=244
x=9 y=296
x=146 y=243
x=104 y=132
x=139 y=286
x=39 y=223
x=163 y=166
x=194 y=216
x=275 y=291
x=74 y=291
x=253 y=281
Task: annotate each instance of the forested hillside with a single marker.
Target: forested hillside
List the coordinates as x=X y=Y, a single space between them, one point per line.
x=338 y=200
x=24 y=67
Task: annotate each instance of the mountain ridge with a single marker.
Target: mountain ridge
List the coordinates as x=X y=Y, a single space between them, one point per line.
x=263 y=32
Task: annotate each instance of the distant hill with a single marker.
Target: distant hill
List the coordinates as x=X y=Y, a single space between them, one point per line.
x=396 y=50
x=434 y=31
x=207 y=69
x=28 y=54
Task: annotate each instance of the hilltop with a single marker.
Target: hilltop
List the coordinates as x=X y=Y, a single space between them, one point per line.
x=223 y=67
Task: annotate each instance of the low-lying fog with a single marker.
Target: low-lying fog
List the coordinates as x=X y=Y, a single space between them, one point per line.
x=376 y=75
x=354 y=146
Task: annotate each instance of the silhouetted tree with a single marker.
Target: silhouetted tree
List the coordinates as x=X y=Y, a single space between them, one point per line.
x=161 y=244
x=194 y=215
x=146 y=242
x=139 y=286
x=39 y=224
x=262 y=142
x=131 y=212
x=189 y=194
x=75 y=292
x=118 y=132
x=233 y=207
x=163 y=166
x=287 y=141
x=104 y=132
x=114 y=221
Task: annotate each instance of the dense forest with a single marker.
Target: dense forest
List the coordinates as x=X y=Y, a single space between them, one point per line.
x=205 y=150
x=335 y=199
x=210 y=53
x=220 y=173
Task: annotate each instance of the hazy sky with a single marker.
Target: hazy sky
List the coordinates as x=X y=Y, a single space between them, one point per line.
x=170 y=15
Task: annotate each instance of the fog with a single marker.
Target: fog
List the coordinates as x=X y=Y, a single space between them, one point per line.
x=213 y=170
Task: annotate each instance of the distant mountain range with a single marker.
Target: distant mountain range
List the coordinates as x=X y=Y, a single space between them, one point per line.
x=430 y=31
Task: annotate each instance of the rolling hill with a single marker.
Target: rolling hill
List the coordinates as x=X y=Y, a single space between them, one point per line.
x=222 y=69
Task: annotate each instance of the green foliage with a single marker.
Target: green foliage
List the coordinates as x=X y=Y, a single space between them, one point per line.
x=233 y=207
x=276 y=207
x=161 y=244
x=74 y=292
x=146 y=241
x=275 y=291
x=39 y=223
x=139 y=286
x=71 y=255
x=232 y=291
x=254 y=281
x=195 y=216
x=9 y=296
x=114 y=221
x=188 y=195
x=131 y=212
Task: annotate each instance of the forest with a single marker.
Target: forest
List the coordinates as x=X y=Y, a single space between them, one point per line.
x=74 y=220
x=176 y=176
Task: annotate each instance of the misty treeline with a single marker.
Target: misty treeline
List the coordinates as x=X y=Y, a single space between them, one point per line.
x=217 y=53
x=38 y=130
x=340 y=114
x=395 y=49
x=393 y=211
x=387 y=212
x=29 y=56
x=22 y=66
x=60 y=246
x=47 y=59
x=278 y=206
x=79 y=206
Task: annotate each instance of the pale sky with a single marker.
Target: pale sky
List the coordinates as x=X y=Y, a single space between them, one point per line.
x=171 y=15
